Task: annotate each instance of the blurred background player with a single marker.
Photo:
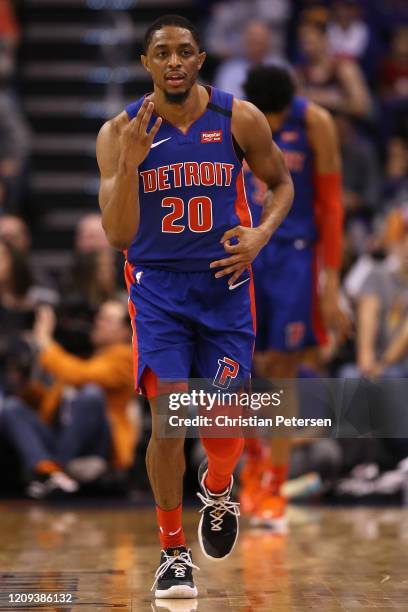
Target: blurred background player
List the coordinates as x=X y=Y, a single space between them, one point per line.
x=177 y=204
x=292 y=313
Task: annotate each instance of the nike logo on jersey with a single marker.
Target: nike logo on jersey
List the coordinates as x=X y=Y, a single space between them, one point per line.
x=231 y=287
x=159 y=142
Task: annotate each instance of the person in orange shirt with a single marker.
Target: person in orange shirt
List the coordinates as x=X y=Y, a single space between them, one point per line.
x=67 y=424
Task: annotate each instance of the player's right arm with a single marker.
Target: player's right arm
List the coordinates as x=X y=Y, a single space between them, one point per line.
x=121 y=147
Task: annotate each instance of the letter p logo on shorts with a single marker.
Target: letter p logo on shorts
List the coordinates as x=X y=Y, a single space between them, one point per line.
x=227 y=371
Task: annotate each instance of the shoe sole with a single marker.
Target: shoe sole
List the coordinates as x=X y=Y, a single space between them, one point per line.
x=278 y=525
x=177 y=592
x=200 y=540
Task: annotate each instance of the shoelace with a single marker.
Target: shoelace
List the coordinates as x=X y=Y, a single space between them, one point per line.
x=180 y=568
x=220 y=507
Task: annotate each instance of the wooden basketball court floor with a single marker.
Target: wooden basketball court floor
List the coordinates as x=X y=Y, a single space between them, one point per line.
x=331 y=560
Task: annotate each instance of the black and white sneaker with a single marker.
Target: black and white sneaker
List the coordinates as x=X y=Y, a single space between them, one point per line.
x=49 y=486
x=218 y=529
x=174 y=576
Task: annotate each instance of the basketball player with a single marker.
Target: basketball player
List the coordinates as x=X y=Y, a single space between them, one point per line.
x=172 y=196
x=292 y=315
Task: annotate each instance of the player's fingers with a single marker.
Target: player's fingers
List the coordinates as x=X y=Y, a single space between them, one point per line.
x=234 y=231
x=236 y=275
x=232 y=248
x=228 y=270
x=145 y=119
x=134 y=125
x=225 y=262
x=155 y=128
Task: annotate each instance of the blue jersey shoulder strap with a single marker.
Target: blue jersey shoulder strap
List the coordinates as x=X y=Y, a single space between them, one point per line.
x=221 y=102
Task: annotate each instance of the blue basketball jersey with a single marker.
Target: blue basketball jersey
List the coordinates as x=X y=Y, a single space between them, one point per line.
x=191 y=191
x=293 y=141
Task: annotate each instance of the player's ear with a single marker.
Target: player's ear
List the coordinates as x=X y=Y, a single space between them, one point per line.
x=201 y=59
x=145 y=62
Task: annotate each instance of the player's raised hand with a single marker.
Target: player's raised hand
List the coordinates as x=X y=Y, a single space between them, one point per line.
x=135 y=140
x=250 y=240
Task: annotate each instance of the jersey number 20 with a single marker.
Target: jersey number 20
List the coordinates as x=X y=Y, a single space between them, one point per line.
x=199 y=214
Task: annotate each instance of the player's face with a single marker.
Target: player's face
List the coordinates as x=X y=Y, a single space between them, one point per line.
x=174 y=60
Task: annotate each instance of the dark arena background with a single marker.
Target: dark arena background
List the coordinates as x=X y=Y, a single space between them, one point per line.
x=84 y=536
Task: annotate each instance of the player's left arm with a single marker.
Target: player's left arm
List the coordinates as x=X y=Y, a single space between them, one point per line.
x=253 y=134
x=322 y=136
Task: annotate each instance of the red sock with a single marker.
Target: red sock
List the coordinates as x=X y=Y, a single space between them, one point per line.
x=274 y=477
x=223 y=455
x=170 y=528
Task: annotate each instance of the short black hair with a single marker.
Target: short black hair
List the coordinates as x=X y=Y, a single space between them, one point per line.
x=170 y=20
x=270 y=88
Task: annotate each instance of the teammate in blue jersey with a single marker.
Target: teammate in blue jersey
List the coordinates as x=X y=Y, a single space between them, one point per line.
x=172 y=196
x=293 y=314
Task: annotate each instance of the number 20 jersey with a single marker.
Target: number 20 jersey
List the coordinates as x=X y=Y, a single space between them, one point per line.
x=191 y=190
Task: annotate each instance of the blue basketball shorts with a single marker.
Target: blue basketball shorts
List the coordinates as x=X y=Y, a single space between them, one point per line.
x=288 y=316
x=190 y=325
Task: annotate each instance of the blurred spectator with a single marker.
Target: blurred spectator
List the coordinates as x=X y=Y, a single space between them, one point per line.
x=16 y=303
x=90 y=280
x=336 y=84
x=394 y=69
x=229 y=19
x=52 y=427
x=394 y=86
x=231 y=74
x=89 y=235
x=93 y=272
x=361 y=169
x=350 y=36
x=395 y=184
x=14 y=133
x=382 y=319
x=16 y=232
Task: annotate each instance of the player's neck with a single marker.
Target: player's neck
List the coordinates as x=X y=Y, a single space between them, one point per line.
x=184 y=114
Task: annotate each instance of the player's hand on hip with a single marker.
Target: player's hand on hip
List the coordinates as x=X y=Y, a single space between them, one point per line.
x=250 y=241
x=135 y=140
